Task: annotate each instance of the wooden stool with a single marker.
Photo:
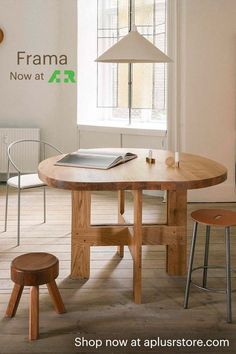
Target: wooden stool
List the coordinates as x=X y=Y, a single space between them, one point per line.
x=34 y=269
x=211 y=217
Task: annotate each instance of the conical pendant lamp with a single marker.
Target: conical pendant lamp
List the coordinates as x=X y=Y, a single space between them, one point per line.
x=133 y=48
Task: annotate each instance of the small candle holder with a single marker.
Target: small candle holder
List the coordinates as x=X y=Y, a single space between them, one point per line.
x=149 y=158
x=152 y=160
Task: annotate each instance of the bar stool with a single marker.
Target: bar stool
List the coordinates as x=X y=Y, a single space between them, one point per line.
x=211 y=217
x=34 y=269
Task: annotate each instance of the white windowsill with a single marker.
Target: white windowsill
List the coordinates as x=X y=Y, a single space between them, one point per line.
x=157 y=129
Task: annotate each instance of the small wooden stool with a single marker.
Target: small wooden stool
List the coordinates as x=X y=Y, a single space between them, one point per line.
x=211 y=217
x=34 y=269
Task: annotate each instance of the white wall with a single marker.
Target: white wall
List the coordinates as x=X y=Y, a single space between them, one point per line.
x=208 y=78
x=39 y=27
x=208 y=32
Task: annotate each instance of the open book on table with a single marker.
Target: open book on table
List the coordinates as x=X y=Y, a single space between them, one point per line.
x=92 y=158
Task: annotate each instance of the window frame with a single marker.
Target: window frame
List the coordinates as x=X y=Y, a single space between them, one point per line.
x=156 y=129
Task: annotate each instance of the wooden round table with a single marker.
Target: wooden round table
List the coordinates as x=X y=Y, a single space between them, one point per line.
x=136 y=175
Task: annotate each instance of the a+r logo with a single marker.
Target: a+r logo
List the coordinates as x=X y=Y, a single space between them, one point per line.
x=69 y=77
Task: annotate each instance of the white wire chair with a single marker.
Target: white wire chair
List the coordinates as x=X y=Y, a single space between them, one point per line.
x=25 y=181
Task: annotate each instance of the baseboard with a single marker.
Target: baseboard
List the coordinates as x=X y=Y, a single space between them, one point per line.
x=220 y=193
x=215 y=194
x=154 y=193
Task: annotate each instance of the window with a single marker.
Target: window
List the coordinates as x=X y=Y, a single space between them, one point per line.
x=103 y=90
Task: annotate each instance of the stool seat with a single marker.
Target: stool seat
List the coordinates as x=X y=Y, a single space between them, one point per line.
x=215 y=217
x=35 y=268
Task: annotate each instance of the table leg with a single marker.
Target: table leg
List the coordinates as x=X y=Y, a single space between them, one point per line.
x=80 y=254
x=176 y=255
x=136 y=247
x=121 y=209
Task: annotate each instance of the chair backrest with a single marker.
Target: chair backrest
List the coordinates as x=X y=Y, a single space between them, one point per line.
x=40 y=153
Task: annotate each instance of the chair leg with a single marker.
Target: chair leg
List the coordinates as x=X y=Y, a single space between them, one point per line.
x=204 y=280
x=190 y=265
x=56 y=297
x=6 y=207
x=228 y=275
x=44 y=204
x=14 y=300
x=18 y=218
x=34 y=313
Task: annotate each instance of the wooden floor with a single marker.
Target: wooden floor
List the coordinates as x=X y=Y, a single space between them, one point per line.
x=102 y=307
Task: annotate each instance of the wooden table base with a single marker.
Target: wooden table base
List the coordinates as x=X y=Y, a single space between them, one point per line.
x=193 y=172
x=172 y=234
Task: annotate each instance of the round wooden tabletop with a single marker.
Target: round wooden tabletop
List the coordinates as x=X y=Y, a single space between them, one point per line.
x=194 y=172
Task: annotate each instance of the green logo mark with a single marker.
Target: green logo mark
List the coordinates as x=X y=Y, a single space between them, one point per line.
x=69 y=76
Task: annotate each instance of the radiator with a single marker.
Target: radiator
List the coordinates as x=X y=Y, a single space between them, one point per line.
x=25 y=155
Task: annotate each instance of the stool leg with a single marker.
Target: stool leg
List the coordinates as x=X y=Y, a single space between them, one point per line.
x=14 y=300
x=204 y=281
x=34 y=313
x=56 y=297
x=190 y=265
x=228 y=275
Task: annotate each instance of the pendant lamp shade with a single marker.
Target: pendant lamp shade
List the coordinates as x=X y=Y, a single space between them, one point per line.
x=133 y=48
